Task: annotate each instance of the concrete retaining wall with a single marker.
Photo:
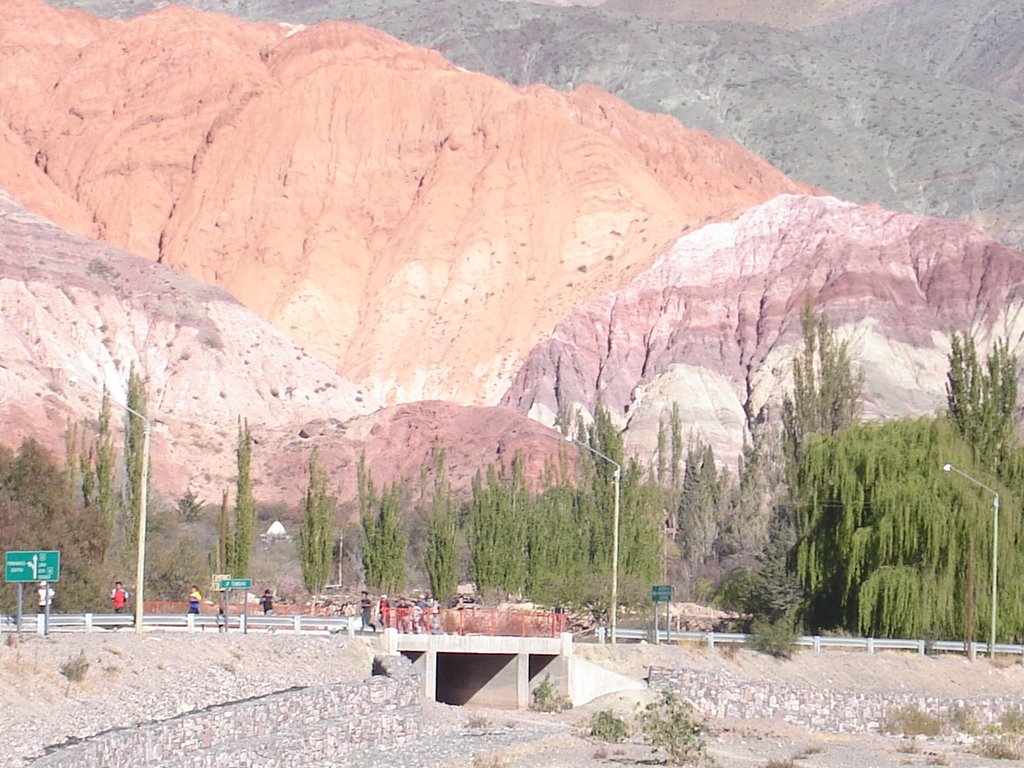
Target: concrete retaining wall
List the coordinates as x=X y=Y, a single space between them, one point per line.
x=289 y=728
x=817 y=709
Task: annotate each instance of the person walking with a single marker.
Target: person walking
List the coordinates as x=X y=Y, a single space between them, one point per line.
x=366 y=612
x=119 y=597
x=46 y=594
x=267 y=603
x=195 y=599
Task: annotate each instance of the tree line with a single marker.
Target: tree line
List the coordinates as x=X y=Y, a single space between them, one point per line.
x=830 y=523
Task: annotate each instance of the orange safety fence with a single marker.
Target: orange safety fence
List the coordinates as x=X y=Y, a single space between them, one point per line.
x=450 y=621
x=165 y=607
x=475 y=621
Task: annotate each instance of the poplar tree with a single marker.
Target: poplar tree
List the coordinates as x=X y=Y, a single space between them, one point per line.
x=72 y=465
x=384 y=539
x=134 y=437
x=106 y=496
x=316 y=536
x=497 y=524
x=245 y=505
x=983 y=400
x=442 y=552
x=826 y=390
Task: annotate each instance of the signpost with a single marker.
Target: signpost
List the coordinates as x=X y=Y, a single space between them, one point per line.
x=25 y=566
x=236 y=583
x=38 y=565
x=662 y=593
x=227 y=584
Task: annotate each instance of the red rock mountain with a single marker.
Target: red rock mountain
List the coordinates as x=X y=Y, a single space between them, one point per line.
x=78 y=314
x=714 y=325
x=415 y=226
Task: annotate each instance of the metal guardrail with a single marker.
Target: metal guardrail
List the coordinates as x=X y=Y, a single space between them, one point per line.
x=819 y=643
x=99 y=622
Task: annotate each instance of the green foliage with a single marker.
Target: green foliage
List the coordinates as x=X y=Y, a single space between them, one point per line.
x=884 y=534
x=826 y=391
x=190 y=506
x=1012 y=720
x=604 y=725
x=37 y=512
x=240 y=550
x=384 y=539
x=1001 y=746
x=911 y=721
x=703 y=503
x=547 y=699
x=982 y=402
x=497 y=525
x=775 y=638
x=134 y=448
x=774 y=593
x=75 y=668
x=316 y=536
x=669 y=725
x=105 y=495
x=442 y=553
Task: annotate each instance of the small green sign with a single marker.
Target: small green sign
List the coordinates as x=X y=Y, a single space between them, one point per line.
x=235 y=583
x=661 y=593
x=38 y=565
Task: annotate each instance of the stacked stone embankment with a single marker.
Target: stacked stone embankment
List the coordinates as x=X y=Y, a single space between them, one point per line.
x=300 y=726
x=721 y=695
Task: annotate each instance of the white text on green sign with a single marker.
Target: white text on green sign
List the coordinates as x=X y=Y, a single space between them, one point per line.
x=32 y=565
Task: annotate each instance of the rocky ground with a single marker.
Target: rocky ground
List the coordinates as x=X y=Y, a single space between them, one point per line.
x=131 y=679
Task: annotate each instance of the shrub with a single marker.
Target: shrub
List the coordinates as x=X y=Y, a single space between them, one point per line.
x=606 y=726
x=669 y=724
x=547 y=699
x=1012 y=720
x=1001 y=747
x=911 y=721
x=777 y=639
x=74 y=669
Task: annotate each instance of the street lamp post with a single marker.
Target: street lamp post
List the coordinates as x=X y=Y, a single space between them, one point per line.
x=995 y=550
x=140 y=560
x=614 y=602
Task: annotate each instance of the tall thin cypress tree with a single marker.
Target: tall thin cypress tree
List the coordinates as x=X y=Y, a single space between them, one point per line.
x=134 y=436
x=441 y=557
x=316 y=537
x=245 y=505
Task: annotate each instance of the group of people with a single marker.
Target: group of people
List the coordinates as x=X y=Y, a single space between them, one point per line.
x=420 y=616
x=195 y=601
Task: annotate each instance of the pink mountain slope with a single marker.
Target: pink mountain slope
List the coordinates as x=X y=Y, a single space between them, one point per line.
x=714 y=325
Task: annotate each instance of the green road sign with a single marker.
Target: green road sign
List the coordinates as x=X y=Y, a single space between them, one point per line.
x=41 y=565
x=235 y=583
x=661 y=593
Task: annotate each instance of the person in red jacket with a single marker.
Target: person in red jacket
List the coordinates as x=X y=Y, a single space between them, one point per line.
x=119 y=597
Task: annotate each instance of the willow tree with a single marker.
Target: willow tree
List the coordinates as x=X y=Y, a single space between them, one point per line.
x=316 y=536
x=884 y=535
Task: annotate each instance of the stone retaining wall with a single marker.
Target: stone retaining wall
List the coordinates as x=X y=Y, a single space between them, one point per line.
x=288 y=728
x=818 y=709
